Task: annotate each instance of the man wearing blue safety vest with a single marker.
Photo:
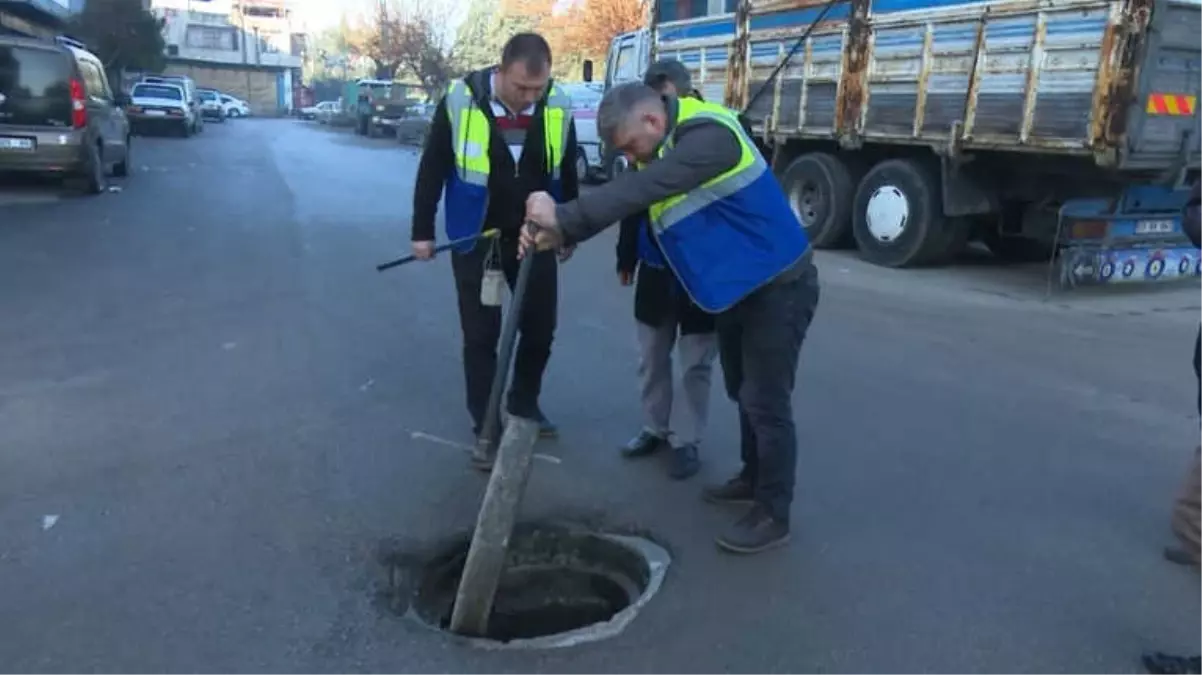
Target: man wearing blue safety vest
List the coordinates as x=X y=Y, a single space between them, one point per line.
x=727 y=232
x=498 y=135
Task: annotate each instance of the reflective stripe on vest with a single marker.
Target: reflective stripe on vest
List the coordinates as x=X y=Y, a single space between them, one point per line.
x=472 y=133
x=750 y=167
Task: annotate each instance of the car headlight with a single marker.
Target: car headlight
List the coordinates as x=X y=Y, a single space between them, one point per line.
x=379 y=108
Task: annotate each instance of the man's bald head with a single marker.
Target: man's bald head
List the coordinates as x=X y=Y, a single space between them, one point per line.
x=632 y=118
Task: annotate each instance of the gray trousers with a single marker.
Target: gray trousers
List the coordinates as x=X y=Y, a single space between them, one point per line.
x=696 y=354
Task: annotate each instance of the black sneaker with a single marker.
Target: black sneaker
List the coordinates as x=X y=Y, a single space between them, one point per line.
x=1179 y=556
x=644 y=444
x=737 y=490
x=755 y=532
x=1167 y=663
x=685 y=462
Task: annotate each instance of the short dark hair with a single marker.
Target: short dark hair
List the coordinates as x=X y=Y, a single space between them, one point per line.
x=669 y=70
x=529 y=48
x=619 y=104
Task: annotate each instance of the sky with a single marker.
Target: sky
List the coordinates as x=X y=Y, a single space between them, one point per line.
x=321 y=14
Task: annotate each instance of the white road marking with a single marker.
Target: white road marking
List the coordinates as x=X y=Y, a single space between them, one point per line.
x=446 y=442
x=229 y=345
x=367 y=385
x=49 y=521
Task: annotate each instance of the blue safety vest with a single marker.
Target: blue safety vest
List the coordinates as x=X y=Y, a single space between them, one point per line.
x=465 y=197
x=733 y=234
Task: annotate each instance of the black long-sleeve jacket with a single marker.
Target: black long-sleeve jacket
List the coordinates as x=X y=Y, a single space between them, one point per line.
x=508 y=184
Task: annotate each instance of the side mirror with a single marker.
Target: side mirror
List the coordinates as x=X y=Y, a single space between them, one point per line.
x=588 y=70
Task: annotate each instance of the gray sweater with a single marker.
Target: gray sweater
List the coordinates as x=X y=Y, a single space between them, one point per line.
x=704 y=150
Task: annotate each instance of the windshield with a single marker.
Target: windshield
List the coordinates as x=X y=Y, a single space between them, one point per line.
x=34 y=85
x=584 y=96
x=157 y=91
x=209 y=96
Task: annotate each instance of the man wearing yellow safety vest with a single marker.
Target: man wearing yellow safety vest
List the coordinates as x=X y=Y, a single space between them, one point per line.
x=497 y=136
x=728 y=234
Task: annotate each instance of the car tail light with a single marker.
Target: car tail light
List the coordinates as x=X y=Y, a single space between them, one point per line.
x=79 y=108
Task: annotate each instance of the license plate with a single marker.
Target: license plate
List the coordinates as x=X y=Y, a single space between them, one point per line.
x=156 y=113
x=16 y=143
x=1154 y=227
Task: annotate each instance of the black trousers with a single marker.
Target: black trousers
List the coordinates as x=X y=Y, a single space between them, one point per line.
x=759 y=341
x=1197 y=368
x=482 y=328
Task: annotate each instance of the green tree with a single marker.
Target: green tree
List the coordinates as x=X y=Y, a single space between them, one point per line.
x=122 y=34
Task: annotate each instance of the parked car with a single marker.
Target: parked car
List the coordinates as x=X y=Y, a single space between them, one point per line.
x=309 y=113
x=161 y=106
x=586 y=98
x=326 y=110
x=190 y=95
x=413 y=126
x=210 y=105
x=58 y=114
x=234 y=107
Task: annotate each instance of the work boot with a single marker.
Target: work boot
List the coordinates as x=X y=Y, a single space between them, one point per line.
x=755 y=532
x=1169 y=664
x=685 y=462
x=646 y=443
x=484 y=455
x=737 y=490
x=546 y=428
x=1179 y=556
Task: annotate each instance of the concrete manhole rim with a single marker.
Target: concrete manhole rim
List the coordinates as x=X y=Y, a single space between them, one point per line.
x=657 y=559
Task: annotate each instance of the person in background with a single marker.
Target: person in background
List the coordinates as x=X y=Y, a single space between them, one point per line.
x=1187 y=509
x=666 y=320
x=498 y=135
x=727 y=231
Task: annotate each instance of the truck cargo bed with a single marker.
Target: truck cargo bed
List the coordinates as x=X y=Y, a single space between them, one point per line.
x=1117 y=80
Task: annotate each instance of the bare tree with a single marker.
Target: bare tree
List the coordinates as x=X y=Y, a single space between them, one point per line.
x=423 y=45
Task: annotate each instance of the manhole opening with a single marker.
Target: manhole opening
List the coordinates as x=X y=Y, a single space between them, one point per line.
x=557 y=580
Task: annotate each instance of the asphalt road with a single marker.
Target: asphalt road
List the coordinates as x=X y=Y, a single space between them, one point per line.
x=214 y=414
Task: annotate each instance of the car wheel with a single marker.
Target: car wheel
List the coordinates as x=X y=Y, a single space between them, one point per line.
x=820 y=188
x=582 y=170
x=121 y=169
x=94 y=176
x=617 y=164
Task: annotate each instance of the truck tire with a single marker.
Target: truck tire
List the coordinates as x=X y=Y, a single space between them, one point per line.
x=897 y=219
x=820 y=188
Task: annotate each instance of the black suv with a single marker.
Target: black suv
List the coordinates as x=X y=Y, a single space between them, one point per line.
x=58 y=114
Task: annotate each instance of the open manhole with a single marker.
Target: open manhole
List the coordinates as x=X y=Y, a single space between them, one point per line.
x=561 y=587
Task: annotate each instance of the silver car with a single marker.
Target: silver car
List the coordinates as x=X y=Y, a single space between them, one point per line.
x=58 y=114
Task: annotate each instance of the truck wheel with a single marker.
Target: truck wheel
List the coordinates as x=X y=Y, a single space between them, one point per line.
x=820 y=188
x=898 y=218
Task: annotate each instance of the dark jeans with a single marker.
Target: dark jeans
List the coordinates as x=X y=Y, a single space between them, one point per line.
x=759 y=341
x=482 y=329
x=1197 y=368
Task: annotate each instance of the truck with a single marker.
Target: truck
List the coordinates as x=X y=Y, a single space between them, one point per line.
x=1063 y=130
x=361 y=99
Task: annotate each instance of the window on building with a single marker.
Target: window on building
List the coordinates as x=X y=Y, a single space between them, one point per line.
x=212 y=37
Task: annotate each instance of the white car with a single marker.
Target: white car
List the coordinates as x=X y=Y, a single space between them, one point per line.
x=234 y=107
x=309 y=112
x=586 y=98
x=326 y=110
x=160 y=105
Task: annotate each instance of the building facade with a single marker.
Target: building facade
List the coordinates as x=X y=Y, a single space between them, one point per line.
x=212 y=42
x=33 y=18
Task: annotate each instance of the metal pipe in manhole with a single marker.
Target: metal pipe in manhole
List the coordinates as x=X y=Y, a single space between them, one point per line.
x=561 y=586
